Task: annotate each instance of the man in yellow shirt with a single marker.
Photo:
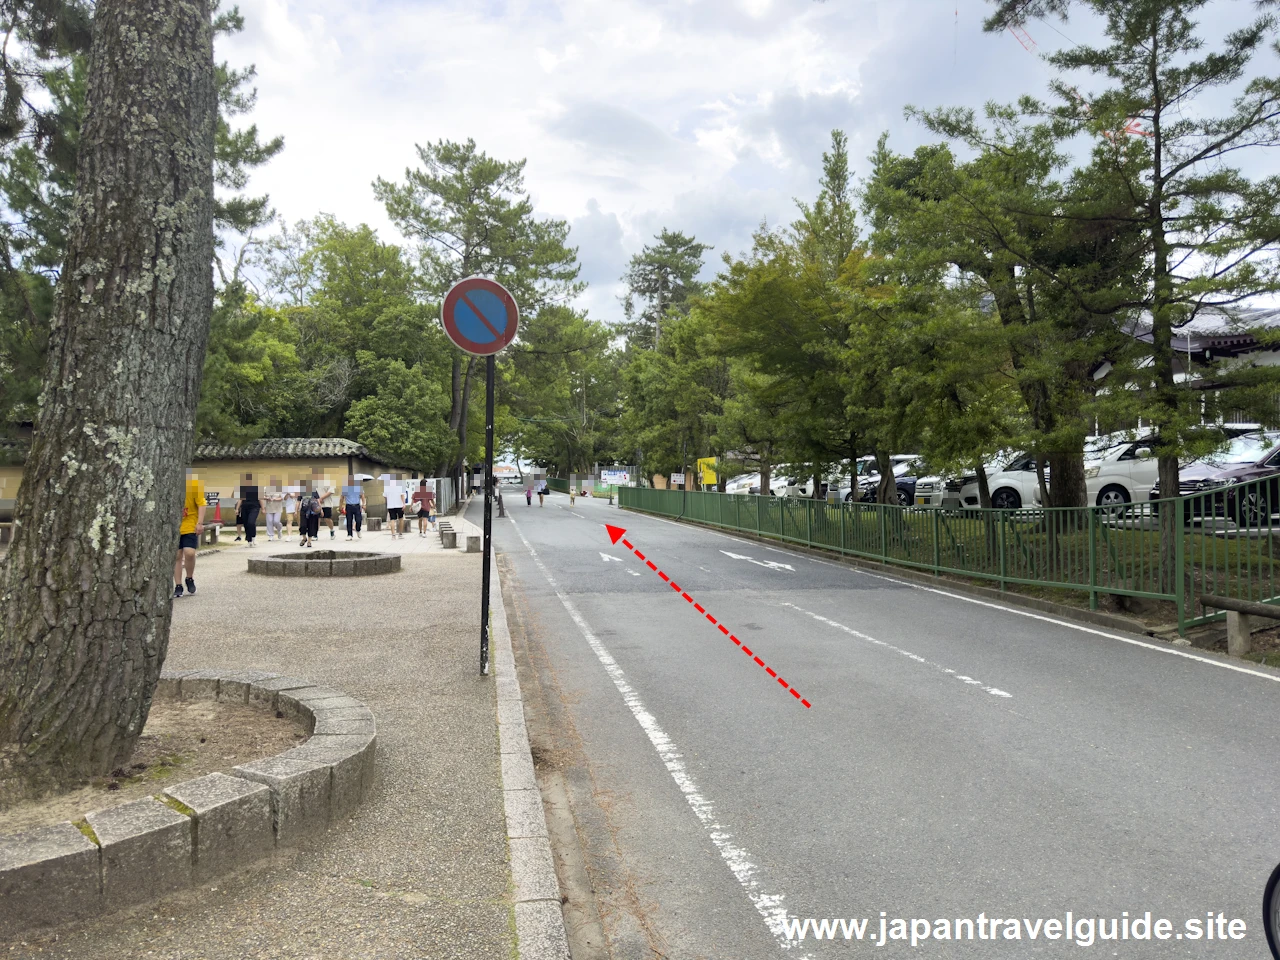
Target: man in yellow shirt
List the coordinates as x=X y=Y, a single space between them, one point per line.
x=189 y=534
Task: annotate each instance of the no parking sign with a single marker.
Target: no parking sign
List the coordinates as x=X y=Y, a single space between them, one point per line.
x=480 y=316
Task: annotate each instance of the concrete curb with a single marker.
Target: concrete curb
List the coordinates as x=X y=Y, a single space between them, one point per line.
x=195 y=831
x=1096 y=618
x=540 y=931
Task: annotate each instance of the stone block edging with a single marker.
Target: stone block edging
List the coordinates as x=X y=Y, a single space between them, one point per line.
x=195 y=831
x=540 y=930
x=325 y=563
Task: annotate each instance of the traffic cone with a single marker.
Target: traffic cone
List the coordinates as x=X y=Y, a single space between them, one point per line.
x=217 y=513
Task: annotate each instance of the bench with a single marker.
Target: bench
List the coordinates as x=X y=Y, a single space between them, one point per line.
x=210 y=535
x=1239 y=614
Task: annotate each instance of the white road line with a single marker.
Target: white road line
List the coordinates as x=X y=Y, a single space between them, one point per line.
x=1172 y=651
x=769 y=905
x=606 y=557
x=633 y=573
x=771 y=564
x=1083 y=629
x=994 y=691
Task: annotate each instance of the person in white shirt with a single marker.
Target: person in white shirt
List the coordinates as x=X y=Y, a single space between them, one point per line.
x=393 y=489
x=273 y=500
x=328 y=498
x=290 y=508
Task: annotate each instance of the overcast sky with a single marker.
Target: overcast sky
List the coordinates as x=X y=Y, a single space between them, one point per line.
x=705 y=116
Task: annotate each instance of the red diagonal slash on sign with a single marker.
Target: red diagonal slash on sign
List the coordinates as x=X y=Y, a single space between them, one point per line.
x=615 y=534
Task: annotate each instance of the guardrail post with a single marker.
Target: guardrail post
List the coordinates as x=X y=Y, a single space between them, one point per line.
x=884 y=533
x=759 y=512
x=1093 y=560
x=937 y=556
x=808 y=523
x=1003 y=518
x=844 y=511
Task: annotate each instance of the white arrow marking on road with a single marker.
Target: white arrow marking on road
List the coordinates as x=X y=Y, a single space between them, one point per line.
x=604 y=556
x=994 y=691
x=771 y=564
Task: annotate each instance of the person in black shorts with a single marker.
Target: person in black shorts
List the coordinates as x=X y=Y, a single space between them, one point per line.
x=310 y=509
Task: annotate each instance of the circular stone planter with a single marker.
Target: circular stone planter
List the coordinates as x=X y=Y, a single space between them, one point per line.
x=193 y=832
x=325 y=563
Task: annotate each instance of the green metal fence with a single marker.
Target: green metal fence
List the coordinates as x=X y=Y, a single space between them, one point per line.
x=1217 y=542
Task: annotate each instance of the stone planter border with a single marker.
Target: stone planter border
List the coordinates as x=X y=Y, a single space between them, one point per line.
x=194 y=831
x=325 y=563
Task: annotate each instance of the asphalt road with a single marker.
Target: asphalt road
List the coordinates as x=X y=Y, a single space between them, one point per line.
x=960 y=759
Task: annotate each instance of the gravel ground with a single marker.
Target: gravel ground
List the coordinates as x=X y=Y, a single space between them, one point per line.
x=421 y=870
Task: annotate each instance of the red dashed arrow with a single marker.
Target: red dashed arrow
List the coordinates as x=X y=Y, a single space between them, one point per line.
x=615 y=534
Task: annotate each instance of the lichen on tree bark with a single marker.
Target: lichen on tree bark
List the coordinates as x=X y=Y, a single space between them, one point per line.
x=85 y=590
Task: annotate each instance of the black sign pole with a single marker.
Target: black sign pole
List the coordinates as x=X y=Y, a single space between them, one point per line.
x=488 y=514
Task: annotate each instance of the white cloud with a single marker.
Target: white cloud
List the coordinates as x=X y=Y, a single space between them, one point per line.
x=703 y=116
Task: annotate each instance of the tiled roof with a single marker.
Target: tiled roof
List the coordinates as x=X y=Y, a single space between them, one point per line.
x=285 y=448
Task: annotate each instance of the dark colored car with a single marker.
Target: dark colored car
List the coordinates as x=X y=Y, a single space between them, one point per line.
x=904 y=475
x=1221 y=483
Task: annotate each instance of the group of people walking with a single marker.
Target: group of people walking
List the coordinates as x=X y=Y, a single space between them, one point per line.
x=283 y=506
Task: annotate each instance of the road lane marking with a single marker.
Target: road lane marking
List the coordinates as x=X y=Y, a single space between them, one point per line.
x=604 y=556
x=1133 y=641
x=994 y=691
x=1076 y=626
x=771 y=564
x=769 y=905
x=616 y=534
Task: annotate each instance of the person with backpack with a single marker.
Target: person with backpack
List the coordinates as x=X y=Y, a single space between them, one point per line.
x=309 y=520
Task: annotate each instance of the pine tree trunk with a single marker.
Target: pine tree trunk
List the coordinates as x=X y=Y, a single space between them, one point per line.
x=463 y=410
x=85 y=605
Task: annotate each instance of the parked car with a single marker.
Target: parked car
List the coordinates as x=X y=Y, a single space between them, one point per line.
x=1118 y=469
x=904 y=467
x=743 y=483
x=1120 y=472
x=938 y=491
x=1013 y=486
x=1254 y=456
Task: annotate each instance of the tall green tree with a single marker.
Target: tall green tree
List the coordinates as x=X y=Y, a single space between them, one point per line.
x=41 y=109
x=1209 y=231
x=468 y=214
x=84 y=628
x=661 y=279
x=560 y=392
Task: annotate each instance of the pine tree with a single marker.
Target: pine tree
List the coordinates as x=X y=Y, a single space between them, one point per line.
x=84 y=591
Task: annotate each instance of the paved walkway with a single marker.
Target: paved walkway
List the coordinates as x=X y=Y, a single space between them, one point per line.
x=421 y=871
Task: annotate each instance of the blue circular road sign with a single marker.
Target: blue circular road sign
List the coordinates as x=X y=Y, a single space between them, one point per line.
x=480 y=316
